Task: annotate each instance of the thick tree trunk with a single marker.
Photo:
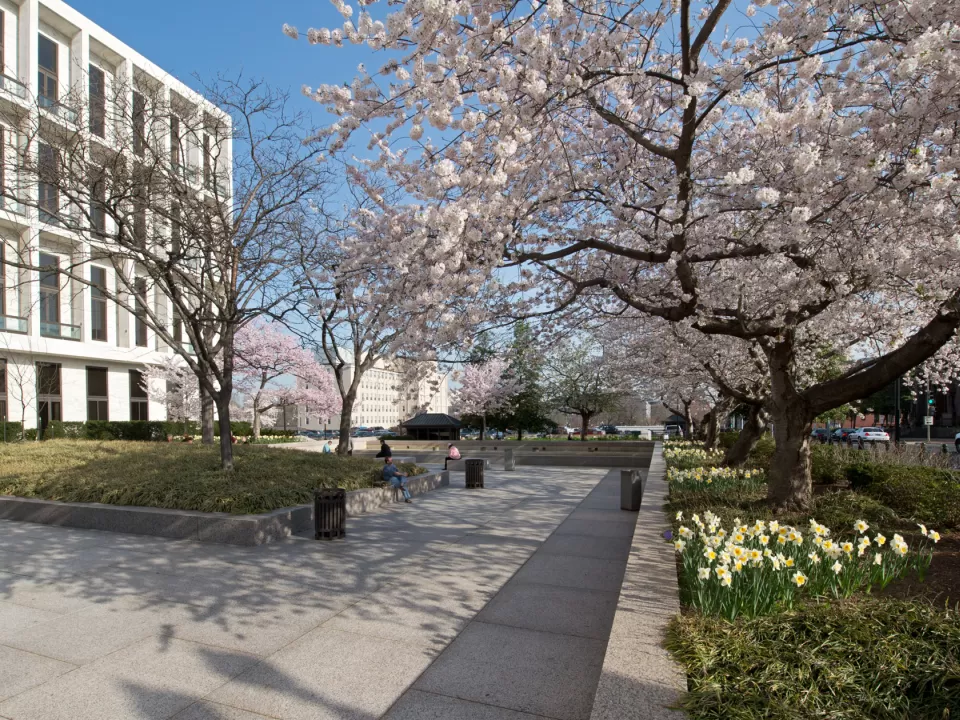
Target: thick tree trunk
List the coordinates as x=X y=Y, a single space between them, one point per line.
x=789 y=481
x=584 y=420
x=751 y=431
x=483 y=427
x=206 y=417
x=346 y=422
x=519 y=433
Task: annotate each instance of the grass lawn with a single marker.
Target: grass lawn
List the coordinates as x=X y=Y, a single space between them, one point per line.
x=177 y=475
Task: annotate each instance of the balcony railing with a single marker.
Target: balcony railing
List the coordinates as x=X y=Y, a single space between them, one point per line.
x=11 y=323
x=60 y=330
x=59 y=109
x=13 y=86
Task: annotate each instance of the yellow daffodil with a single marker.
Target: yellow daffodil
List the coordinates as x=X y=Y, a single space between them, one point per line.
x=861 y=526
x=837 y=567
x=679 y=545
x=703 y=573
x=814 y=558
x=878 y=559
x=923 y=529
x=934 y=535
x=799 y=578
x=880 y=540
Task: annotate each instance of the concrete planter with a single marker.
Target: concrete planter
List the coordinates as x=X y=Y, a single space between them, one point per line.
x=204 y=527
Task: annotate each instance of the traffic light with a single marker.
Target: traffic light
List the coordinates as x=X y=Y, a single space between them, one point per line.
x=931 y=401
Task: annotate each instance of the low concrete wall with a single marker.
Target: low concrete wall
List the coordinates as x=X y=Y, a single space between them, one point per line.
x=468 y=447
x=461 y=465
x=204 y=527
x=639 y=678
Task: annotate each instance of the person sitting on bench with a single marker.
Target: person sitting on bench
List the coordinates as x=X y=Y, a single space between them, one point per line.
x=385 y=451
x=396 y=478
x=452 y=454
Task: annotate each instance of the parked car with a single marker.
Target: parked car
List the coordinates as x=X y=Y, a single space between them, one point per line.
x=821 y=434
x=841 y=434
x=866 y=435
x=671 y=431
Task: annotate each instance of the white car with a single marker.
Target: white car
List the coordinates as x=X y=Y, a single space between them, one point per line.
x=870 y=435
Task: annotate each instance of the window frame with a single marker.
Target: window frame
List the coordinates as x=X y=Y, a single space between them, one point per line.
x=98 y=298
x=140 y=306
x=52 y=291
x=102 y=401
x=98 y=109
x=47 y=75
x=137 y=400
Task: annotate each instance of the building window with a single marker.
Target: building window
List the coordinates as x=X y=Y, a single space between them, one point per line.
x=48 y=164
x=98 y=101
x=49 y=402
x=207 y=164
x=175 y=141
x=139 y=404
x=47 y=70
x=98 y=303
x=3 y=389
x=98 y=204
x=49 y=293
x=97 y=403
x=139 y=124
x=177 y=326
x=140 y=326
x=176 y=232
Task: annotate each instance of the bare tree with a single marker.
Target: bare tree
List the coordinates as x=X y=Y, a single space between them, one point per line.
x=581 y=381
x=200 y=206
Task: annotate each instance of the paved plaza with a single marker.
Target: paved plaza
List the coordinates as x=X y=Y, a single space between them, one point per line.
x=468 y=605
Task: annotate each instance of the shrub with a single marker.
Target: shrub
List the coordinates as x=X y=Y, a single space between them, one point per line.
x=925 y=495
x=762 y=452
x=727 y=439
x=10 y=432
x=870 y=658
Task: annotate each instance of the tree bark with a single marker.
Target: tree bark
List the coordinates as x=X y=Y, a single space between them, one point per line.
x=226 y=440
x=585 y=419
x=346 y=422
x=256 y=417
x=483 y=426
x=751 y=431
x=206 y=417
x=789 y=483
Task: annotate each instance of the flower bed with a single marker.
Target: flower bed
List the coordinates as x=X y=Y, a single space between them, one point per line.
x=809 y=586
x=757 y=568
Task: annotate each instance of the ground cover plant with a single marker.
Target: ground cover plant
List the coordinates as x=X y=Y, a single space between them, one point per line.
x=865 y=658
x=178 y=475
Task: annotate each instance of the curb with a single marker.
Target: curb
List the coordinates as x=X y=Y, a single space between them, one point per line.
x=204 y=527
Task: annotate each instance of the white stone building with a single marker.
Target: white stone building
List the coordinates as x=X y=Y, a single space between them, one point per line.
x=67 y=353
x=385 y=398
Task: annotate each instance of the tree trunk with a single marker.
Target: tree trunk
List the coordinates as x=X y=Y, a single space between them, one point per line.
x=751 y=431
x=711 y=427
x=483 y=426
x=206 y=417
x=519 y=433
x=255 y=424
x=346 y=422
x=789 y=482
x=585 y=419
x=226 y=440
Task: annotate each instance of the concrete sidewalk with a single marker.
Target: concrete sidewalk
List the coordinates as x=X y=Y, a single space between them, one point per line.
x=98 y=625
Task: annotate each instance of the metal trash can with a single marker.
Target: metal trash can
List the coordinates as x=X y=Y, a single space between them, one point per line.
x=329 y=513
x=474 y=473
x=631 y=489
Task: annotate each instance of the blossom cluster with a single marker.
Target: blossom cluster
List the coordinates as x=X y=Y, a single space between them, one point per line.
x=754 y=568
x=690 y=455
x=714 y=478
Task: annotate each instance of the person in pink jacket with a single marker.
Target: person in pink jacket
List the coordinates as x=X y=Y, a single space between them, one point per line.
x=452 y=454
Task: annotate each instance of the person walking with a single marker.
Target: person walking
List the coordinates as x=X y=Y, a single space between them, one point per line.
x=452 y=454
x=396 y=478
x=385 y=450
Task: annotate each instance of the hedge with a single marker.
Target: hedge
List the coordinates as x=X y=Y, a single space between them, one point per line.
x=153 y=430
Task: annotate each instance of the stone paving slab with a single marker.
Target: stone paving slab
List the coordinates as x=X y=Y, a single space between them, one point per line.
x=20 y=671
x=419 y=705
x=548 y=608
x=526 y=670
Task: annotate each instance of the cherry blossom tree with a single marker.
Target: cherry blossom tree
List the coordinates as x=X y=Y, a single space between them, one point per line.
x=266 y=355
x=174 y=382
x=757 y=186
x=486 y=388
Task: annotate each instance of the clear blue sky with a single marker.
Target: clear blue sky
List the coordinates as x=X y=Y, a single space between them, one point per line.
x=209 y=36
